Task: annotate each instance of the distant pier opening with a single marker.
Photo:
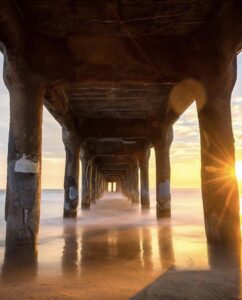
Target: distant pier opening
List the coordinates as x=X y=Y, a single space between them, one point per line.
x=112 y=186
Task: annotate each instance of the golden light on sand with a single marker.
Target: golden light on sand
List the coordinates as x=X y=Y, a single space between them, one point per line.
x=238 y=170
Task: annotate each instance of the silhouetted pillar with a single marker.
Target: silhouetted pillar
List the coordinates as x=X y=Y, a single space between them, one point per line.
x=24 y=157
x=144 y=178
x=124 y=185
x=106 y=186
x=89 y=176
x=135 y=182
x=102 y=186
x=219 y=184
x=85 y=180
x=162 y=157
x=71 y=182
x=130 y=183
x=127 y=184
x=99 y=185
x=118 y=186
x=93 y=182
x=96 y=183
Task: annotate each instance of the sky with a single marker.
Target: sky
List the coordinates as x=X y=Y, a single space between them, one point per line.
x=185 y=149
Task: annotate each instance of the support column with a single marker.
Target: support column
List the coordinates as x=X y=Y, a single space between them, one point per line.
x=162 y=157
x=89 y=176
x=96 y=183
x=135 y=182
x=24 y=159
x=106 y=186
x=124 y=186
x=129 y=183
x=71 y=182
x=93 y=182
x=102 y=186
x=118 y=186
x=85 y=180
x=219 y=184
x=144 y=179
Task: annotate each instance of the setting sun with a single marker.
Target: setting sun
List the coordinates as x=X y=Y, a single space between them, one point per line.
x=238 y=169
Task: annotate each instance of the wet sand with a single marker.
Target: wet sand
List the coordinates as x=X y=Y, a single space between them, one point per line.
x=115 y=250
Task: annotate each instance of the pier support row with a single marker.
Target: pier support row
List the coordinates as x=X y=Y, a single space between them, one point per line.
x=93 y=183
x=219 y=184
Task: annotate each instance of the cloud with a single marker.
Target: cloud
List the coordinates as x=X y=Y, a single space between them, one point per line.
x=237 y=92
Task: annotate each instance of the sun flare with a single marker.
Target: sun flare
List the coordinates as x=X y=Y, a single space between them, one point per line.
x=238 y=170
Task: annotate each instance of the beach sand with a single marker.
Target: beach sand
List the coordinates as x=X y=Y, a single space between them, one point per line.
x=118 y=251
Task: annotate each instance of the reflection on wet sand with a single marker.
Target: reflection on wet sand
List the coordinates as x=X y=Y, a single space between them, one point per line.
x=116 y=260
x=144 y=246
x=20 y=264
x=164 y=234
x=113 y=252
x=70 y=249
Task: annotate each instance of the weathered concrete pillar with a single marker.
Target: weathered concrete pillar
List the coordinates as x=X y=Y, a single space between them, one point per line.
x=98 y=185
x=24 y=157
x=144 y=178
x=106 y=186
x=129 y=183
x=162 y=157
x=219 y=184
x=85 y=180
x=122 y=188
x=125 y=185
x=135 y=182
x=89 y=176
x=102 y=186
x=118 y=186
x=71 y=182
x=93 y=181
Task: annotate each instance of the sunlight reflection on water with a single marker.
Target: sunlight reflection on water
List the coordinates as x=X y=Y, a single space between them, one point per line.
x=114 y=236
x=112 y=220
